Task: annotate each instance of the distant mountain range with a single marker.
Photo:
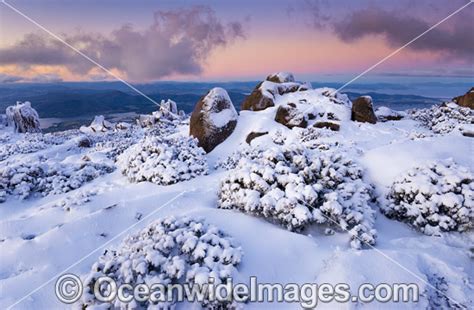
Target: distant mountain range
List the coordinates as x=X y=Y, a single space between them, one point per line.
x=84 y=100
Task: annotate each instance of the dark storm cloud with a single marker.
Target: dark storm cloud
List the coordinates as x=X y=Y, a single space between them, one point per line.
x=397 y=22
x=457 y=39
x=178 y=41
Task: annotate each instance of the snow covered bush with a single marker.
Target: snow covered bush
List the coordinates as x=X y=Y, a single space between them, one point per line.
x=435 y=197
x=163 y=160
x=23 y=118
x=444 y=118
x=47 y=177
x=168 y=251
x=296 y=187
x=11 y=144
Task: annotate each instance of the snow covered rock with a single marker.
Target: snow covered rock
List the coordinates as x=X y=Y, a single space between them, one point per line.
x=23 y=118
x=168 y=251
x=323 y=106
x=254 y=135
x=167 y=112
x=466 y=100
x=296 y=187
x=281 y=77
x=163 y=160
x=214 y=119
x=385 y=114
x=290 y=116
x=435 y=197
x=329 y=125
x=266 y=92
x=99 y=124
x=363 y=111
x=445 y=118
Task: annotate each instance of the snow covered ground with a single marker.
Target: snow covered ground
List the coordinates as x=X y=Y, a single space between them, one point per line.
x=43 y=237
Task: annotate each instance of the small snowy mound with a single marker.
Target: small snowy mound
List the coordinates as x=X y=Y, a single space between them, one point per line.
x=163 y=161
x=48 y=177
x=281 y=77
x=433 y=198
x=296 y=187
x=445 y=118
x=169 y=251
x=23 y=118
x=385 y=114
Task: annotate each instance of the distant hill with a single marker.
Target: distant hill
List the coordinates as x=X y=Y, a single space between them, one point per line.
x=73 y=100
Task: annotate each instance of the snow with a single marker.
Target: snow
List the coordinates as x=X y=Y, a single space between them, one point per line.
x=219 y=119
x=41 y=236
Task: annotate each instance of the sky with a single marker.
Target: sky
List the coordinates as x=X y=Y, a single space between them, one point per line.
x=144 y=41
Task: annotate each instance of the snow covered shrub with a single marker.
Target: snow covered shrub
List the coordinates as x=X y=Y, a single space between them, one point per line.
x=168 y=251
x=435 y=197
x=444 y=118
x=163 y=160
x=31 y=142
x=23 y=118
x=296 y=187
x=47 y=178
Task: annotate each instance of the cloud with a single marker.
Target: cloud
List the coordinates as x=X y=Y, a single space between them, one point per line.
x=46 y=78
x=177 y=42
x=397 y=22
x=455 y=40
x=6 y=78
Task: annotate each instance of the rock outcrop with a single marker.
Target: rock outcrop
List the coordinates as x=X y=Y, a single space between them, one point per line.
x=99 y=124
x=265 y=93
x=254 y=135
x=213 y=120
x=23 y=118
x=290 y=116
x=363 y=111
x=466 y=100
x=329 y=125
x=167 y=111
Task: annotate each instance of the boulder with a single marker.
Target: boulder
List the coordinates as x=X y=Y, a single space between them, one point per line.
x=328 y=125
x=363 y=111
x=385 y=114
x=466 y=100
x=265 y=93
x=213 y=120
x=23 y=118
x=281 y=77
x=254 y=135
x=290 y=116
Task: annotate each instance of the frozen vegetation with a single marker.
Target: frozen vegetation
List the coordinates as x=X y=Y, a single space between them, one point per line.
x=307 y=194
x=168 y=251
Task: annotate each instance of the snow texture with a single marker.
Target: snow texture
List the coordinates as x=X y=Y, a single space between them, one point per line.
x=163 y=160
x=168 y=251
x=296 y=187
x=218 y=118
x=434 y=198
